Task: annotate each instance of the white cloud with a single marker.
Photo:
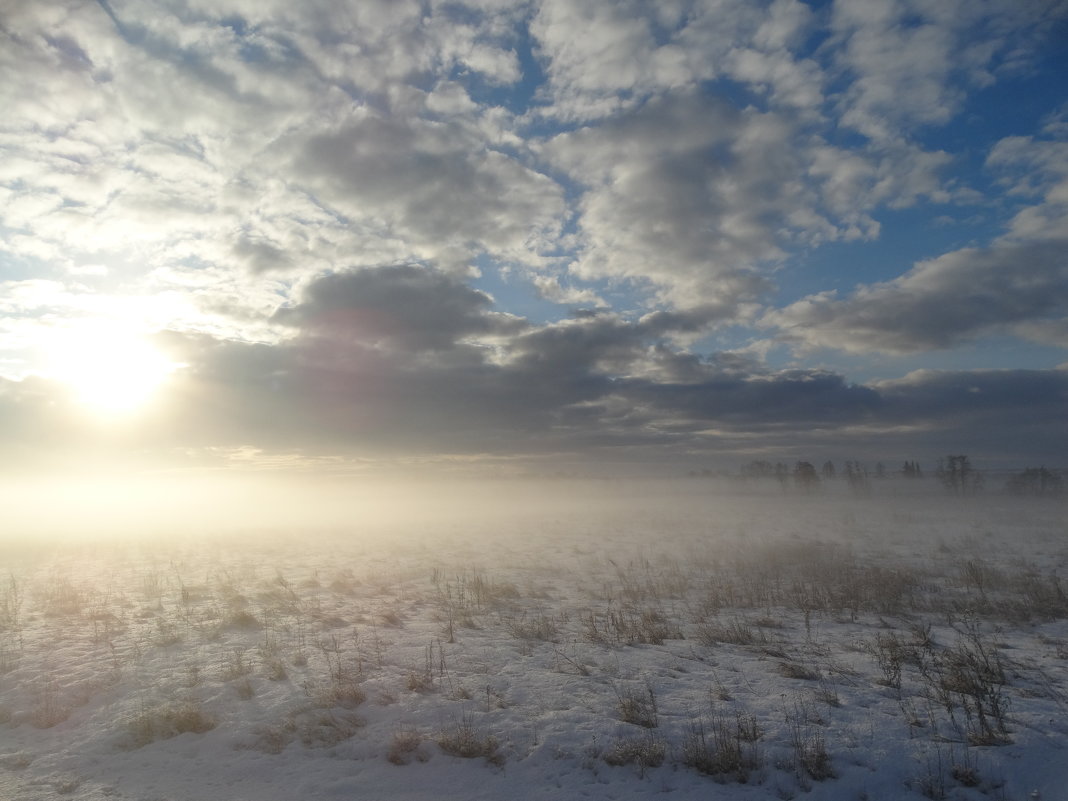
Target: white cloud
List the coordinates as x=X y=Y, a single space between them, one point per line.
x=549 y=287
x=603 y=57
x=1034 y=168
x=290 y=138
x=442 y=191
x=450 y=98
x=786 y=24
x=911 y=63
x=1031 y=166
x=150 y=134
x=593 y=49
x=901 y=68
x=699 y=199
x=793 y=83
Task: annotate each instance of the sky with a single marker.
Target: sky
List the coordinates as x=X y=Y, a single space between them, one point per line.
x=531 y=237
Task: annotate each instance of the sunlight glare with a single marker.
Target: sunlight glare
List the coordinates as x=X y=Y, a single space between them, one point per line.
x=112 y=372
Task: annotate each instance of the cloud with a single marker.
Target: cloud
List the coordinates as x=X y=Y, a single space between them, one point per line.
x=165 y=124
x=912 y=64
x=954 y=396
x=606 y=57
x=697 y=198
x=594 y=51
x=549 y=287
x=939 y=303
x=1034 y=168
x=260 y=255
x=763 y=399
x=404 y=306
x=405 y=360
x=1017 y=414
x=586 y=388
x=792 y=83
x=901 y=69
x=443 y=192
x=285 y=140
x=1018 y=284
x=399 y=382
x=579 y=389
x=235 y=175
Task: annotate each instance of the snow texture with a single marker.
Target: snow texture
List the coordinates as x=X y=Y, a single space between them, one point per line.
x=684 y=640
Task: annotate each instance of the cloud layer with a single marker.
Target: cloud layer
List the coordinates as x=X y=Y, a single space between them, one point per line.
x=541 y=228
x=399 y=362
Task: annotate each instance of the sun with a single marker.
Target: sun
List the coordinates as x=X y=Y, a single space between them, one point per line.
x=111 y=372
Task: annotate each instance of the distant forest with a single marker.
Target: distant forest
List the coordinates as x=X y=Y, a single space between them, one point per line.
x=954 y=472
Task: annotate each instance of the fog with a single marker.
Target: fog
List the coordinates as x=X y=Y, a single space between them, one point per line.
x=221 y=636
x=165 y=506
x=162 y=506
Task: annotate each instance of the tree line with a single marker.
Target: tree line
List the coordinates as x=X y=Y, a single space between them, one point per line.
x=954 y=472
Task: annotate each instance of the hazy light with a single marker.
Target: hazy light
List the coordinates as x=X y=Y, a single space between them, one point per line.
x=112 y=371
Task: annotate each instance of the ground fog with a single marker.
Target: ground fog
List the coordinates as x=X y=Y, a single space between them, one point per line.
x=607 y=640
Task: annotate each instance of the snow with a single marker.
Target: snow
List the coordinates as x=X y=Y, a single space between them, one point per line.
x=334 y=664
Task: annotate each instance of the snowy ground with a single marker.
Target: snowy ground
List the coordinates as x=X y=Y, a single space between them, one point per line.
x=697 y=642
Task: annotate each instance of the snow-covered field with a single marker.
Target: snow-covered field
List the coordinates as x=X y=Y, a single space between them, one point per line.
x=600 y=641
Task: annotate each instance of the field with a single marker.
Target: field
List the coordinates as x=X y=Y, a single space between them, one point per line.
x=571 y=641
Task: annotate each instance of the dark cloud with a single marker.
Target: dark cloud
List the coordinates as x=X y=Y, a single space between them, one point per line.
x=975 y=399
x=755 y=401
x=939 y=303
x=577 y=387
x=581 y=390
x=261 y=256
x=693 y=320
x=403 y=306
x=1011 y=416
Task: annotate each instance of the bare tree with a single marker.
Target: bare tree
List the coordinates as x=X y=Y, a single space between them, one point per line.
x=805 y=476
x=958 y=476
x=1035 y=481
x=857 y=476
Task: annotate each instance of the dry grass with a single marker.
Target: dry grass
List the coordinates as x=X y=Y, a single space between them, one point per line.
x=643 y=752
x=405 y=746
x=724 y=749
x=165 y=721
x=466 y=742
x=637 y=705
